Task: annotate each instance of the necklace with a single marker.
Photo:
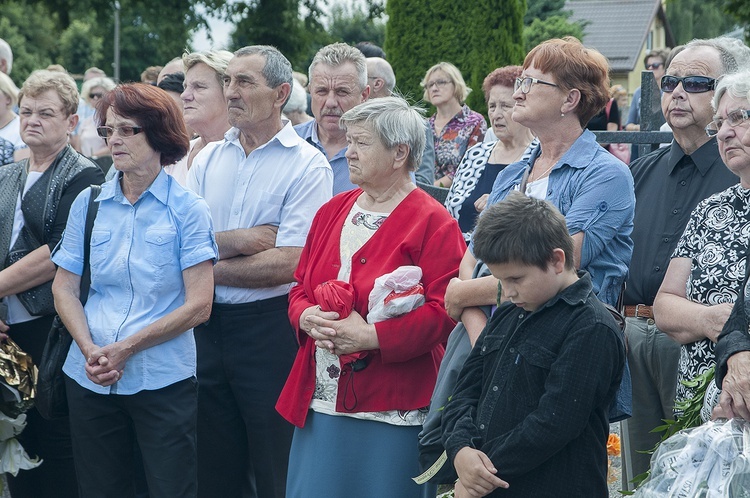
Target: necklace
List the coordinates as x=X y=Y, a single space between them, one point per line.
x=542 y=175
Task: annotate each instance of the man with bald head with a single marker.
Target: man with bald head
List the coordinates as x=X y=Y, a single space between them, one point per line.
x=669 y=183
x=382 y=81
x=6 y=57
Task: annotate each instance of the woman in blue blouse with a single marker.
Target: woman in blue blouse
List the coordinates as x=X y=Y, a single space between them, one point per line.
x=130 y=374
x=563 y=84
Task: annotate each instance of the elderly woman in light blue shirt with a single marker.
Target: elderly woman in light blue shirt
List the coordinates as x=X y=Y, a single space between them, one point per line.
x=130 y=374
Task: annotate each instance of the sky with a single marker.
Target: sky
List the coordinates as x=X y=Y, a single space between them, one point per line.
x=220 y=31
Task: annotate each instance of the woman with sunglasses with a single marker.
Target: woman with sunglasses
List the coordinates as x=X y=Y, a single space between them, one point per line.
x=454 y=126
x=130 y=373
x=87 y=141
x=35 y=198
x=705 y=275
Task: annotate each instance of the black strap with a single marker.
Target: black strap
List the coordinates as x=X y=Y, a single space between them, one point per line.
x=90 y=217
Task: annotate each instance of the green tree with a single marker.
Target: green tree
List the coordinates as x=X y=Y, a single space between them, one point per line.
x=80 y=47
x=353 y=24
x=30 y=30
x=476 y=36
x=151 y=32
x=702 y=18
x=543 y=9
x=279 y=23
x=553 y=27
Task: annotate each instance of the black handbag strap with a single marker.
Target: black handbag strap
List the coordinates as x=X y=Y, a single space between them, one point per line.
x=90 y=217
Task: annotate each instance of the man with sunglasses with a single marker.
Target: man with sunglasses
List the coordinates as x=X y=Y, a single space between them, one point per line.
x=669 y=183
x=655 y=61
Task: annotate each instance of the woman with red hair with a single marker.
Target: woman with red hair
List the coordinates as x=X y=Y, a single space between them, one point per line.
x=130 y=374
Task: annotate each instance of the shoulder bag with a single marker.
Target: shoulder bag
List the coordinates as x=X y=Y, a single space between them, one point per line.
x=51 y=400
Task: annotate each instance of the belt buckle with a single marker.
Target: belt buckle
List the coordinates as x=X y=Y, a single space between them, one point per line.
x=638 y=311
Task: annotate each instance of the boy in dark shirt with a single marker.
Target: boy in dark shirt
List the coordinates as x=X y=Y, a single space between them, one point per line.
x=528 y=416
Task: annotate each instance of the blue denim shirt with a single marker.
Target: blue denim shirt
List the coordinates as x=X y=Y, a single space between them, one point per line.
x=138 y=253
x=594 y=191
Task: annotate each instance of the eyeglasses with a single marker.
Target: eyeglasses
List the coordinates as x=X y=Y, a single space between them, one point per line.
x=525 y=84
x=734 y=118
x=691 y=84
x=654 y=65
x=438 y=83
x=93 y=96
x=123 y=131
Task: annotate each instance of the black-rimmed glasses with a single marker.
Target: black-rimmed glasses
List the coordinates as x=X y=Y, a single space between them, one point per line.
x=525 y=84
x=123 y=131
x=734 y=118
x=691 y=84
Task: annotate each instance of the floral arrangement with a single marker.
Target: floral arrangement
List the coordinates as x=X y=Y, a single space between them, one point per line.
x=613 y=451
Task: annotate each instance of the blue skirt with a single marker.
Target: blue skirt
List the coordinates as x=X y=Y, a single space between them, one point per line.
x=344 y=457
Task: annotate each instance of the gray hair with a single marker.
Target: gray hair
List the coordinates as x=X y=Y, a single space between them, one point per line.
x=7 y=87
x=6 y=53
x=277 y=69
x=737 y=85
x=297 y=100
x=395 y=122
x=336 y=54
x=88 y=85
x=218 y=60
x=382 y=69
x=43 y=80
x=733 y=53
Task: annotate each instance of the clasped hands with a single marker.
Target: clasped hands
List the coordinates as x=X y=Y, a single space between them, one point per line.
x=105 y=365
x=476 y=474
x=339 y=336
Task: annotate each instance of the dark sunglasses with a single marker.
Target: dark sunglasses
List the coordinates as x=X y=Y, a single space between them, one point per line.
x=691 y=84
x=654 y=65
x=93 y=96
x=123 y=131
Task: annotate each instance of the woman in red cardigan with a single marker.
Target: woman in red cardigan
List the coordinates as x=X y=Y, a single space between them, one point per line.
x=358 y=391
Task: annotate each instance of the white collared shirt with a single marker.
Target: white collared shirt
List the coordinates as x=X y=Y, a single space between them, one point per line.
x=283 y=183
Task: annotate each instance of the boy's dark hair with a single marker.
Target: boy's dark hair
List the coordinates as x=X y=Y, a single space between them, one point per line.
x=524 y=230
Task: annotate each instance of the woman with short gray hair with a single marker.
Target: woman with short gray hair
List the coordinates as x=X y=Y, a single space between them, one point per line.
x=359 y=387
x=707 y=272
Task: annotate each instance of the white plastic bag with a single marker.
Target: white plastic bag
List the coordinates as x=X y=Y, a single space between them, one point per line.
x=711 y=461
x=395 y=294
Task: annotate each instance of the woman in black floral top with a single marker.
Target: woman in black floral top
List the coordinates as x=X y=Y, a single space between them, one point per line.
x=707 y=269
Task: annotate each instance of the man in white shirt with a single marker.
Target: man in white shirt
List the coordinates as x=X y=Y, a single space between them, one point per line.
x=263 y=184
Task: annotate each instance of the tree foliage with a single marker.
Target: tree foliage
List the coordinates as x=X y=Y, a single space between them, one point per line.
x=555 y=26
x=352 y=24
x=476 y=36
x=543 y=9
x=80 y=47
x=546 y=19
x=30 y=31
x=704 y=18
x=151 y=33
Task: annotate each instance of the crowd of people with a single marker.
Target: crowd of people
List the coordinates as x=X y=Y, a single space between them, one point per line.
x=276 y=308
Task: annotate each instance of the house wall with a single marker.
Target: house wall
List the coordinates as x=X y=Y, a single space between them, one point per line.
x=655 y=39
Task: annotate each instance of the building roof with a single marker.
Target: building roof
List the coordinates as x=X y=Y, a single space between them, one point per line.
x=618 y=28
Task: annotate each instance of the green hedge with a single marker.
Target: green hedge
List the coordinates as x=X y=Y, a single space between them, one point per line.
x=476 y=36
